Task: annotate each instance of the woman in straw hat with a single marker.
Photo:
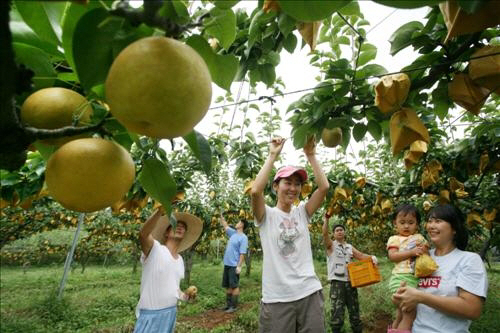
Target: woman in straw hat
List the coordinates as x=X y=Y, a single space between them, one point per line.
x=163 y=269
x=292 y=300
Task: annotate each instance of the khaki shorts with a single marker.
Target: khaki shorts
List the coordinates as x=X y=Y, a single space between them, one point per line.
x=303 y=315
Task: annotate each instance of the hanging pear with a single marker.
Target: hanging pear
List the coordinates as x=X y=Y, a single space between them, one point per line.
x=485 y=72
x=466 y=93
x=391 y=92
x=406 y=128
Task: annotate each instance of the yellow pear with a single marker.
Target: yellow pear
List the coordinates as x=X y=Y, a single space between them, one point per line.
x=52 y=108
x=331 y=137
x=159 y=87
x=86 y=175
x=406 y=128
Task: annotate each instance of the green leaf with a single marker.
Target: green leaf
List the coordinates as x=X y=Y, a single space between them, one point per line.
x=222 y=25
x=272 y=58
x=408 y=4
x=346 y=137
x=201 y=149
x=351 y=9
x=67 y=77
x=225 y=4
x=336 y=122
x=312 y=10
x=181 y=10
x=343 y=40
x=267 y=74
x=73 y=13
x=43 y=18
x=290 y=43
x=368 y=53
x=375 y=129
x=370 y=70
x=299 y=135
x=286 y=24
x=259 y=19
x=359 y=131
x=38 y=61
x=44 y=150
x=402 y=37
x=22 y=33
x=222 y=68
x=441 y=99
x=156 y=180
x=93 y=47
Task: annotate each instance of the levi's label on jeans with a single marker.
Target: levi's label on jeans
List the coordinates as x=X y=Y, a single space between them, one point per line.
x=429 y=282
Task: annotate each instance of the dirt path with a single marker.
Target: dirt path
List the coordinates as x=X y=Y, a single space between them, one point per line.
x=211 y=318
x=379 y=325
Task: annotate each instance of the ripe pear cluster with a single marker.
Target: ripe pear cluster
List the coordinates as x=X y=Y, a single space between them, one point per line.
x=156 y=86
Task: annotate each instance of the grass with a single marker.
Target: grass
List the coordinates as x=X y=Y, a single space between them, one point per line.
x=103 y=300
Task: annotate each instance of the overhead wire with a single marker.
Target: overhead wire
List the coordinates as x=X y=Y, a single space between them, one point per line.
x=379 y=23
x=341 y=82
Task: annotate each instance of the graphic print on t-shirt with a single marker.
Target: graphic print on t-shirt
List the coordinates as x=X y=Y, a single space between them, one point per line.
x=289 y=232
x=429 y=282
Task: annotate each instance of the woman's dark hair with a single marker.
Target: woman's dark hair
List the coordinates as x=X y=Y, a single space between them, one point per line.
x=338 y=225
x=455 y=218
x=407 y=209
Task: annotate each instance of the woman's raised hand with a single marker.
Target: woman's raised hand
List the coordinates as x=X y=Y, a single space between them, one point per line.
x=276 y=145
x=310 y=147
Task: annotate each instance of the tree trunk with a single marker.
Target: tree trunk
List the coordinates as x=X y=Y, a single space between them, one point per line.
x=137 y=259
x=248 y=262
x=188 y=261
x=484 y=249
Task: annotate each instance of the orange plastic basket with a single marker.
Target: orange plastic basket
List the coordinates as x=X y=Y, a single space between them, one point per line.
x=363 y=273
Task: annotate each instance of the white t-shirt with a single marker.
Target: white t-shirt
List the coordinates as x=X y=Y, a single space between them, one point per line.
x=160 y=279
x=288 y=270
x=456 y=269
x=338 y=260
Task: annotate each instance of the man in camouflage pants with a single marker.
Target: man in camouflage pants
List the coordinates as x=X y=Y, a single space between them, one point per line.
x=339 y=254
x=341 y=295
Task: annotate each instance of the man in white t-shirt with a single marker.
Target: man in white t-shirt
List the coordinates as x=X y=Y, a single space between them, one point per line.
x=163 y=269
x=292 y=300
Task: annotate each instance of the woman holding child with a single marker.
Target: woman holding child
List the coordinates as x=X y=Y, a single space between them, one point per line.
x=454 y=294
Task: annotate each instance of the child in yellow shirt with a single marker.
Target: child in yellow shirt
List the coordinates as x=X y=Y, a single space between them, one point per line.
x=403 y=249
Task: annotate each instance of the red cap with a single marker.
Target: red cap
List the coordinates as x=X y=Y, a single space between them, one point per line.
x=289 y=170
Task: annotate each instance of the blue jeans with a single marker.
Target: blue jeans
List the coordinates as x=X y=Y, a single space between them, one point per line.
x=156 y=321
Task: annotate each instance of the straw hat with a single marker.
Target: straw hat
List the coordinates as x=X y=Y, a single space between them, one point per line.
x=193 y=232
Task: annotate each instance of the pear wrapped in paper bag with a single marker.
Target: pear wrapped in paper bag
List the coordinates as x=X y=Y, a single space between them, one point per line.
x=463 y=91
x=391 y=92
x=406 y=128
x=425 y=265
x=485 y=71
x=459 y=22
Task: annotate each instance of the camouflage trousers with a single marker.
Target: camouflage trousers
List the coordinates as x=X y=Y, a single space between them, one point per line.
x=342 y=295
